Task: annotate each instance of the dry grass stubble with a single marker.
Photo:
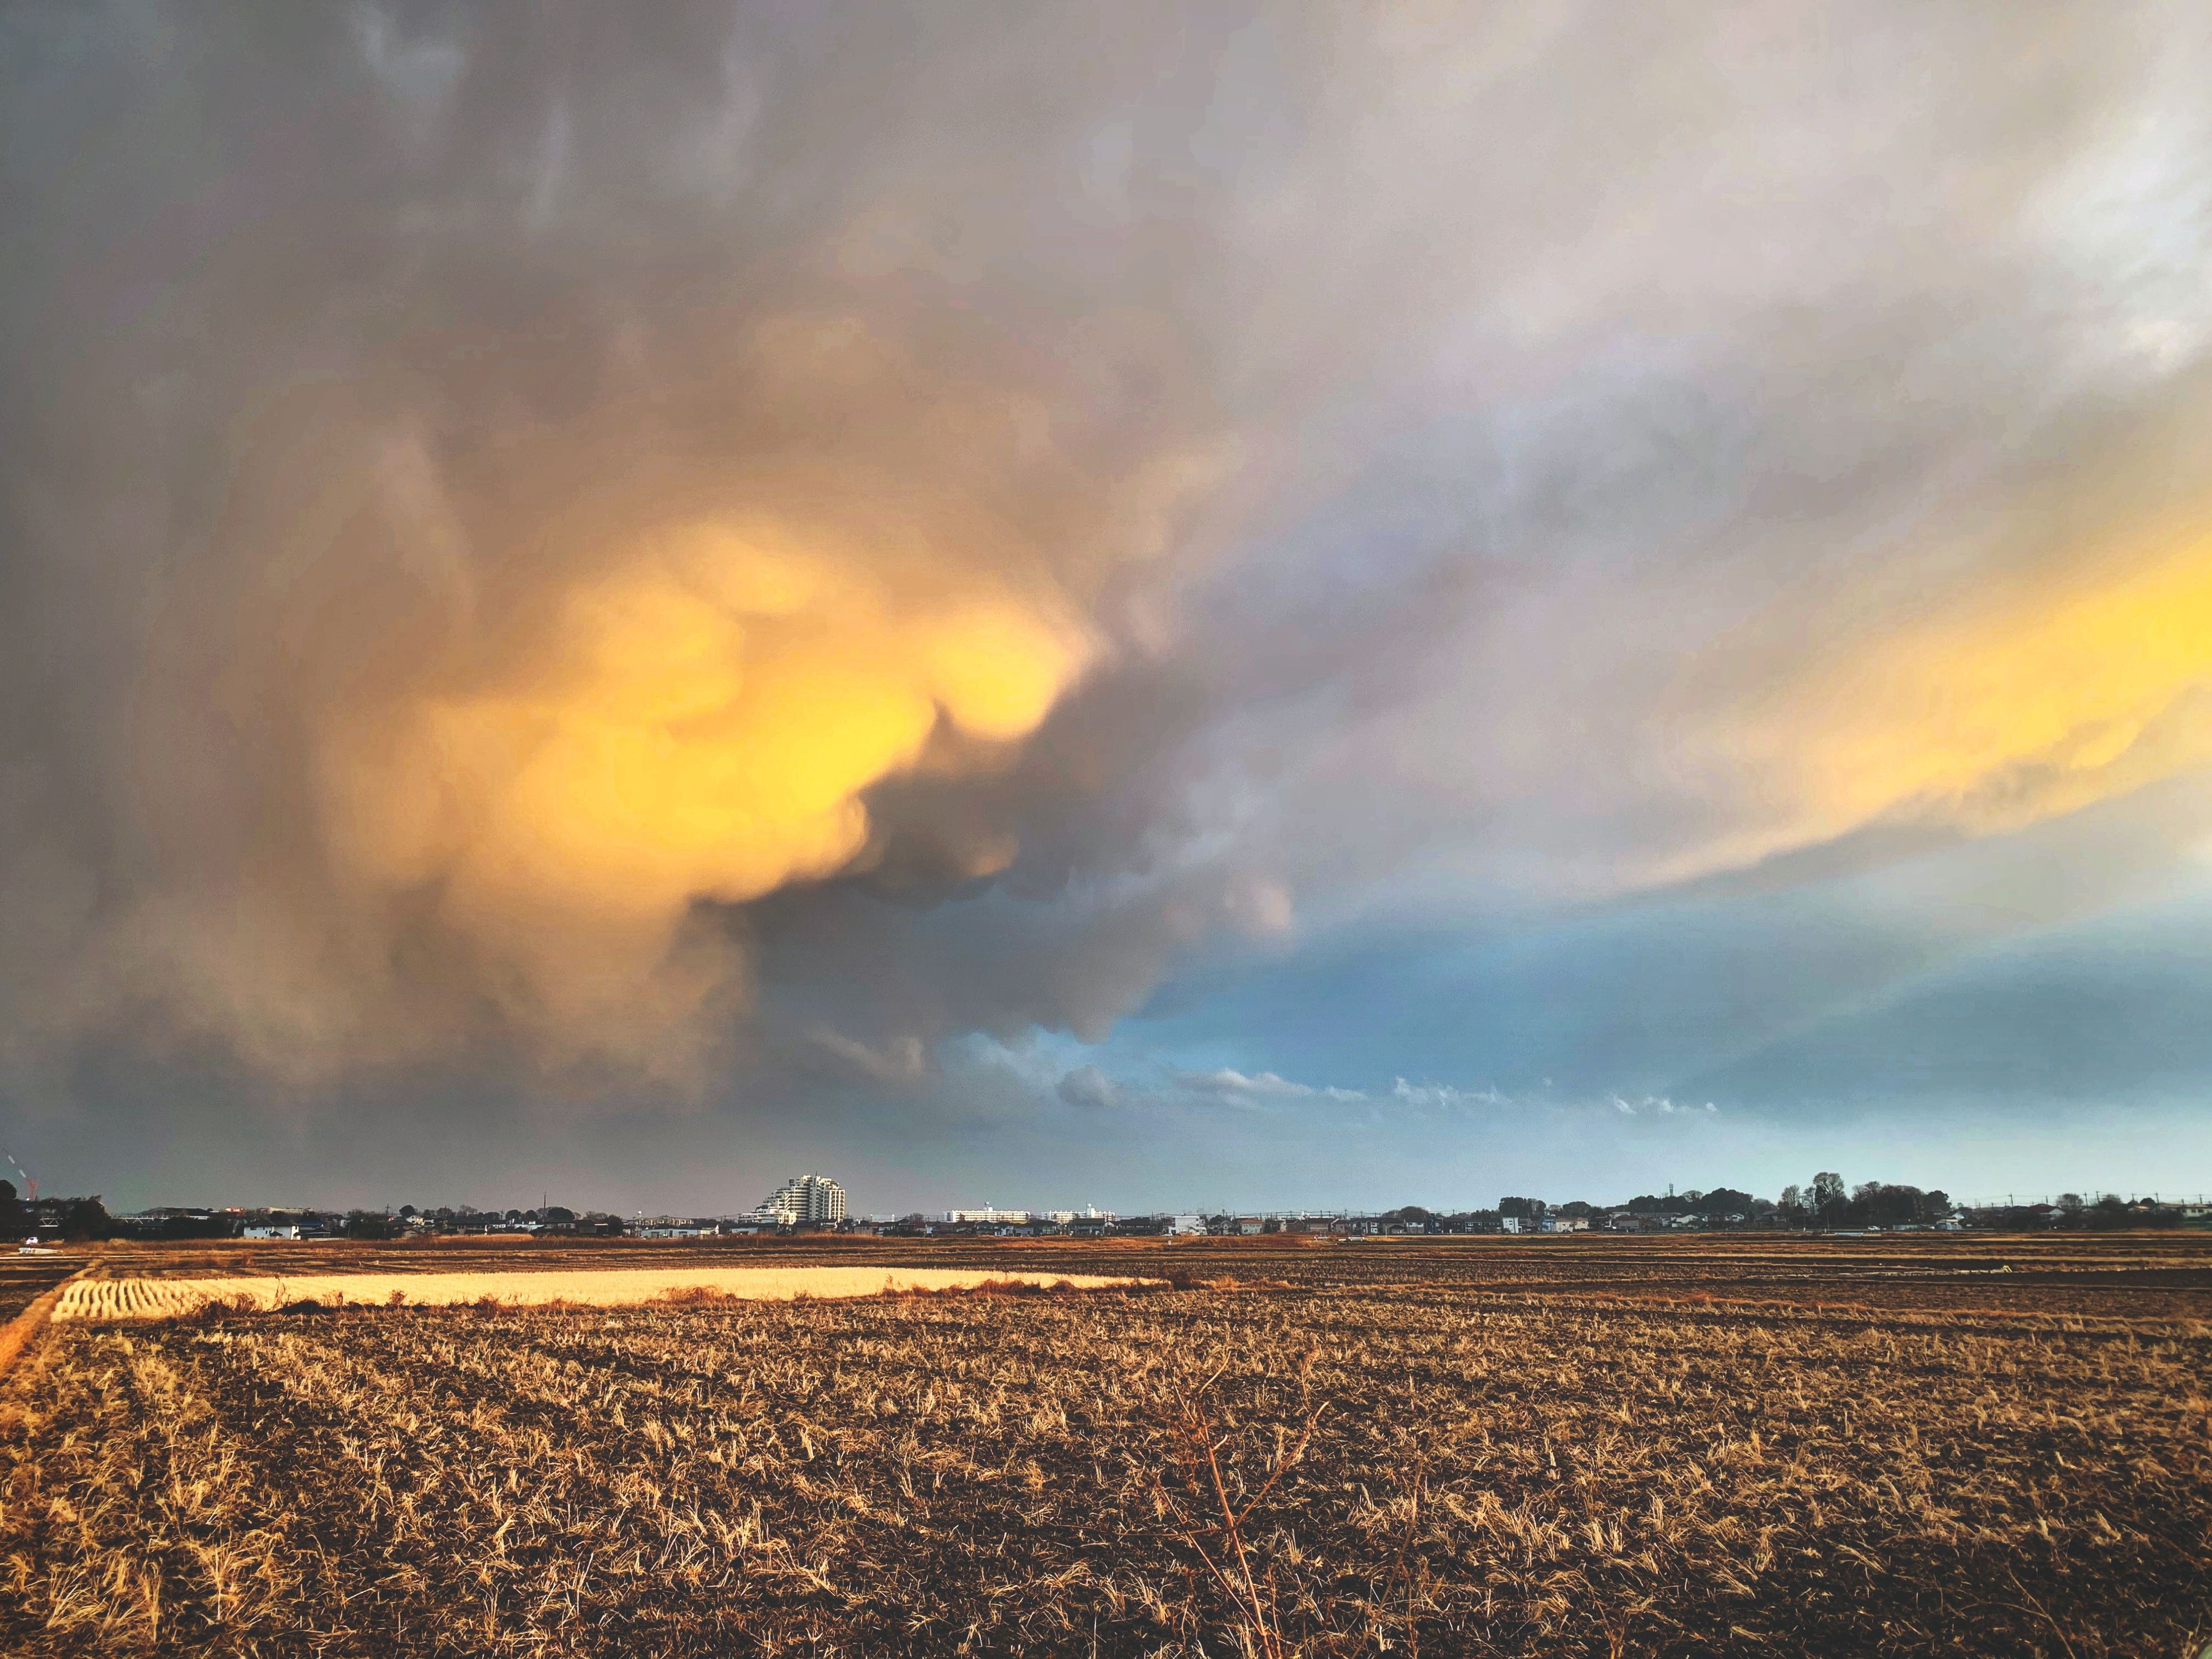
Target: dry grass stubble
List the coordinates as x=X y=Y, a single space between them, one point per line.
x=976 y=1474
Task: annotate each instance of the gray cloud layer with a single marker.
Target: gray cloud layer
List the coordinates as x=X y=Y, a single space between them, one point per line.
x=1468 y=465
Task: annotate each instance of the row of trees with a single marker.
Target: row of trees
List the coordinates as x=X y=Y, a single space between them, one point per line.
x=1828 y=1203
x=2074 y=1214
x=389 y=1223
x=69 y=1218
x=82 y=1219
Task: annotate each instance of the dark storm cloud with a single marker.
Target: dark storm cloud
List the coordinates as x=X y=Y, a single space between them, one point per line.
x=1406 y=468
x=345 y=350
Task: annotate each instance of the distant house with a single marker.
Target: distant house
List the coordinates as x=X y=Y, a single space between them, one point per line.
x=1184 y=1225
x=272 y=1229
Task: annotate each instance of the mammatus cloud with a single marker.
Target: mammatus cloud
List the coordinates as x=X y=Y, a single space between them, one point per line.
x=522 y=536
x=742 y=550
x=697 y=724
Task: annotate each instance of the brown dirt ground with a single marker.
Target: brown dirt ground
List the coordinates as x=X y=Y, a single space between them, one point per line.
x=1636 y=1446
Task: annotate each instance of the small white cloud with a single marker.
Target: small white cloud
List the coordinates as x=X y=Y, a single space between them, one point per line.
x=1088 y=1087
x=1659 y=1106
x=1447 y=1095
x=1229 y=1081
x=1259 y=908
x=900 y=1060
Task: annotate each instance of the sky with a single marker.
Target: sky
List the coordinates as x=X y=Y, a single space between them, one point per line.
x=1159 y=606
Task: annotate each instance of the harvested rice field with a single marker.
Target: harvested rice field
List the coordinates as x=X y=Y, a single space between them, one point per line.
x=1441 y=1448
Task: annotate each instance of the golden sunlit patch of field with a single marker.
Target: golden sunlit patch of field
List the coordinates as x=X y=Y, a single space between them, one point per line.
x=164 y=1298
x=1488 y=1448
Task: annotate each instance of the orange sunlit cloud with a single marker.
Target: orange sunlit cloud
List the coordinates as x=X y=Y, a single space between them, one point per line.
x=698 y=724
x=2032 y=702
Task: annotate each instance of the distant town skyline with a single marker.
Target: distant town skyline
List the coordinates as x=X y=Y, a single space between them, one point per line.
x=812 y=1204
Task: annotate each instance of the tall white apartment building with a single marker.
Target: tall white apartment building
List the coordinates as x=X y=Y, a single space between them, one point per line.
x=813 y=1198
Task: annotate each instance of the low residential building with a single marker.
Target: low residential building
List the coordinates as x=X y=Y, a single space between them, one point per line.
x=988 y=1215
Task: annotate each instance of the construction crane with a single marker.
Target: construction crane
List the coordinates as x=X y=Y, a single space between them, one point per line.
x=30 y=1245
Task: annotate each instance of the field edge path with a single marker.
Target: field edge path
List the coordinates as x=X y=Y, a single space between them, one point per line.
x=15 y=1336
